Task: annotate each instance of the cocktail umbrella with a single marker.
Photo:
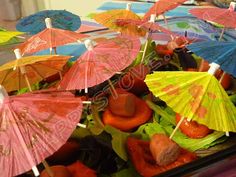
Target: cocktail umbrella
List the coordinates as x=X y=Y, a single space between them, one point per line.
x=25 y=71
x=109 y=18
x=101 y=62
x=225 y=17
x=49 y=38
x=149 y=26
x=33 y=128
x=62 y=19
x=219 y=52
x=195 y=95
x=6 y=39
x=74 y=49
x=162 y=6
x=5 y=36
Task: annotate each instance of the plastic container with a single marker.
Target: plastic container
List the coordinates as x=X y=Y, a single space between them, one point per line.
x=10 y=10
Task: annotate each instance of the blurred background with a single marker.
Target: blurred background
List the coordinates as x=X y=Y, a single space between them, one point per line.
x=12 y=10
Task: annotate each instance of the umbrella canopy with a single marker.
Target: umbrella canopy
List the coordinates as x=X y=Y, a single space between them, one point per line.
x=101 y=62
x=196 y=29
x=49 y=38
x=60 y=19
x=36 y=68
x=225 y=17
x=33 y=128
x=109 y=18
x=152 y=27
x=195 y=95
x=149 y=26
x=5 y=36
x=161 y=6
x=222 y=53
x=221 y=3
x=74 y=49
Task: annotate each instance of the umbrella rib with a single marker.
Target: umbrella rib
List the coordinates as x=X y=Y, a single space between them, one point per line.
x=49 y=67
x=36 y=71
x=48 y=59
x=72 y=38
x=19 y=74
x=51 y=37
x=4 y=78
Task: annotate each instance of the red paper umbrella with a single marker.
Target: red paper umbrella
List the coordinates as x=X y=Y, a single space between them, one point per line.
x=33 y=128
x=101 y=62
x=161 y=6
x=225 y=17
x=49 y=38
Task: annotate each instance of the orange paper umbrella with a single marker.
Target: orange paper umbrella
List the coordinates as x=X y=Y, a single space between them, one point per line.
x=109 y=18
x=25 y=71
x=49 y=38
x=161 y=6
x=225 y=17
x=101 y=62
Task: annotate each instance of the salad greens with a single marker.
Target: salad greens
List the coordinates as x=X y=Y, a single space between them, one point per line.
x=163 y=122
x=167 y=123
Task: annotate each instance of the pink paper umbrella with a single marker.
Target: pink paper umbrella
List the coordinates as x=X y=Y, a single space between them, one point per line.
x=33 y=127
x=49 y=38
x=101 y=62
x=162 y=6
x=225 y=17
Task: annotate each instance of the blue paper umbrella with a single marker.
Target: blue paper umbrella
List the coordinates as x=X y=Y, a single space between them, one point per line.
x=74 y=50
x=222 y=53
x=60 y=19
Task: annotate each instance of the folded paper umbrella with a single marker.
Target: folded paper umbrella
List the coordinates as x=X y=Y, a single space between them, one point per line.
x=73 y=49
x=219 y=52
x=108 y=19
x=149 y=26
x=225 y=17
x=101 y=62
x=62 y=19
x=25 y=71
x=5 y=36
x=33 y=128
x=49 y=38
x=197 y=96
x=162 y=6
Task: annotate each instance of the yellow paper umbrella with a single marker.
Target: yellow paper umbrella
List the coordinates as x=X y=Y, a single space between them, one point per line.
x=108 y=19
x=5 y=36
x=195 y=95
x=25 y=71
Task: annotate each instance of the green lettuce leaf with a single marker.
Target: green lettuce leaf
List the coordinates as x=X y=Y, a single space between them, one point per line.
x=147 y=130
x=127 y=172
x=195 y=144
x=150 y=53
x=118 y=141
x=167 y=124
